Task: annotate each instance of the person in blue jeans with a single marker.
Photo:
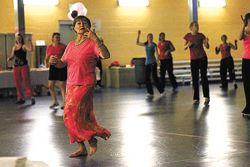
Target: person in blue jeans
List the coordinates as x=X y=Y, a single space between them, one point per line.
x=151 y=64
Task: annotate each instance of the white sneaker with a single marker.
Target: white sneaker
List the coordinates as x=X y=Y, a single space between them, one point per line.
x=196 y=102
x=149 y=95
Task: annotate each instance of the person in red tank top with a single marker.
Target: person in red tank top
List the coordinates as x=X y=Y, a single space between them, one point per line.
x=227 y=62
x=245 y=37
x=165 y=48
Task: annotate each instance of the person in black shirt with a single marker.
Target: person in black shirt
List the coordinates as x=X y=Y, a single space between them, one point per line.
x=21 y=69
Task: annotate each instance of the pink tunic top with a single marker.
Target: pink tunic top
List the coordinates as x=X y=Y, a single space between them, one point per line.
x=81 y=62
x=246 y=48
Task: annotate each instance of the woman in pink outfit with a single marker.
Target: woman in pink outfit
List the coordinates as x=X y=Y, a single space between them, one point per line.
x=80 y=57
x=245 y=37
x=21 y=69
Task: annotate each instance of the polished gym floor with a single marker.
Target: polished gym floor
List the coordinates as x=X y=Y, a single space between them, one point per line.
x=162 y=132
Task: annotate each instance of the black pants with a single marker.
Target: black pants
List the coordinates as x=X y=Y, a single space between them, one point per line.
x=196 y=66
x=99 y=65
x=152 y=68
x=246 y=83
x=226 y=64
x=167 y=65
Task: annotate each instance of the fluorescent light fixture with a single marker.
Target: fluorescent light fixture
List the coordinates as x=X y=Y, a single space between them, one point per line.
x=41 y=2
x=212 y=3
x=133 y=3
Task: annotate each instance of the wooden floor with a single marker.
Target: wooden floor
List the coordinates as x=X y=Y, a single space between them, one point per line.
x=162 y=132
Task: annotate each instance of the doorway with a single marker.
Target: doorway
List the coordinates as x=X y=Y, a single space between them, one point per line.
x=66 y=31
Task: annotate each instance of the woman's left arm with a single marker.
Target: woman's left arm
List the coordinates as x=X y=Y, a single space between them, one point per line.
x=29 y=46
x=156 y=51
x=205 y=42
x=235 y=46
x=104 y=52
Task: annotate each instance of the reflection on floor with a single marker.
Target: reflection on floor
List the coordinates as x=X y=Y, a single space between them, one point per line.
x=168 y=131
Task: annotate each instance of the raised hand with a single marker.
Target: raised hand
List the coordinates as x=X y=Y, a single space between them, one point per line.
x=91 y=34
x=139 y=32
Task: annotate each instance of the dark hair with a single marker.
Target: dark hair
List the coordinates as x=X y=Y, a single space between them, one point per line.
x=193 y=23
x=247 y=16
x=80 y=18
x=55 y=33
x=150 y=34
x=162 y=33
x=223 y=36
x=22 y=40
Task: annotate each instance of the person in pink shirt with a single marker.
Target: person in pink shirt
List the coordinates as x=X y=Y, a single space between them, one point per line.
x=194 y=41
x=80 y=57
x=245 y=37
x=56 y=74
x=227 y=61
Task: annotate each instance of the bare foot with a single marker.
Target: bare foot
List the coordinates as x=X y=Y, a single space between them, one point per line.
x=92 y=146
x=105 y=136
x=81 y=151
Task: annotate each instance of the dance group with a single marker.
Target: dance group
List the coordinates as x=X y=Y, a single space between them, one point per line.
x=195 y=42
x=76 y=62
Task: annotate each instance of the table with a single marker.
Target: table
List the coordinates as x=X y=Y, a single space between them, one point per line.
x=38 y=76
x=118 y=77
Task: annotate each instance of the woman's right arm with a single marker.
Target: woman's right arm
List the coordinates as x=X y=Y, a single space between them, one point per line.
x=12 y=54
x=138 y=39
x=217 y=50
x=187 y=45
x=46 y=61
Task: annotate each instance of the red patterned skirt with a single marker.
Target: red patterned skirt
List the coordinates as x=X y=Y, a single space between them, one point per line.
x=79 y=117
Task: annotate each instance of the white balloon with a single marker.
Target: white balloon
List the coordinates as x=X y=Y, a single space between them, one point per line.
x=80 y=8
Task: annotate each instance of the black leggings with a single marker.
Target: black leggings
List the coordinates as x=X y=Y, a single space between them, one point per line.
x=246 y=83
x=152 y=68
x=227 y=64
x=167 y=65
x=196 y=66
